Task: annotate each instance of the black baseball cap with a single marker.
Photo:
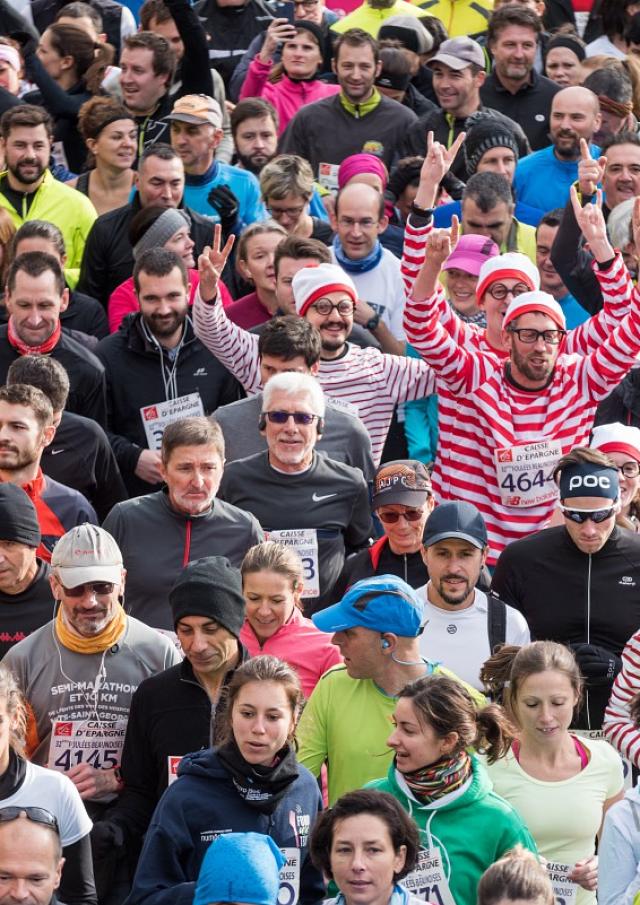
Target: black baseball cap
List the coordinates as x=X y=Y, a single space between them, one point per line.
x=455 y=520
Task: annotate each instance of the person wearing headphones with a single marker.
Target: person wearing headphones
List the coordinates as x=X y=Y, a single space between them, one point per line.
x=302 y=499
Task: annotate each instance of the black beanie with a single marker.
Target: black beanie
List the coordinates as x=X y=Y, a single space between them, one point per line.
x=18 y=517
x=314 y=30
x=484 y=132
x=209 y=587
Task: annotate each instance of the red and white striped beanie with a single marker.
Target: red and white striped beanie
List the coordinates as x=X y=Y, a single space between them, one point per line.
x=314 y=282
x=535 y=301
x=510 y=266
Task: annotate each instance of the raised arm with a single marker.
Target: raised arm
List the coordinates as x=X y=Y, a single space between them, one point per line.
x=236 y=348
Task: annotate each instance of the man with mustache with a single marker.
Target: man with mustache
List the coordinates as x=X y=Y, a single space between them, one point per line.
x=156 y=369
x=543 y=179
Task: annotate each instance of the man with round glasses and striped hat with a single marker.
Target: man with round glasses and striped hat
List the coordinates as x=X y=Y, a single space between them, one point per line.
x=578 y=583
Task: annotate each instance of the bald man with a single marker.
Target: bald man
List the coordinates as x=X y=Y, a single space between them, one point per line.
x=30 y=859
x=543 y=179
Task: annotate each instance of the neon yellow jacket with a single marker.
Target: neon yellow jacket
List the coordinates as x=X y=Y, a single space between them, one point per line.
x=460 y=17
x=71 y=211
x=370 y=20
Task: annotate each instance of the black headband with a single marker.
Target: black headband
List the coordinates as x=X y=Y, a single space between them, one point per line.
x=588 y=479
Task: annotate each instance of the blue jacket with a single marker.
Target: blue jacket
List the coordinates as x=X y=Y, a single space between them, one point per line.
x=203 y=803
x=242 y=183
x=524 y=213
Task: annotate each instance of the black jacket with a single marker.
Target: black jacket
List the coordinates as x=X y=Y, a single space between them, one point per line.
x=446 y=130
x=23 y=613
x=134 y=379
x=82 y=315
x=230 y=30
x=529 y=107
x=573 y=597
x=44 y=13
x=81 y=457
x=87 y=395
x=108 y=257
x=171 y=715
x=623 y=404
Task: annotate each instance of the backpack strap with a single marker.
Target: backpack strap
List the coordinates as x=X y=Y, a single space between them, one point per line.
x=496 y=621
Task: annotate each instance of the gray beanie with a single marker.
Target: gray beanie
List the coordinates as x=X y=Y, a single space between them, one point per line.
x=484 y=132
x=161 y=230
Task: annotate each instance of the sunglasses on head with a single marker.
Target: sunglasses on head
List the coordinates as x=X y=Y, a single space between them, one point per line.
x=410 y=515
x=35 y=815
x=580 y=516
x=100 y=588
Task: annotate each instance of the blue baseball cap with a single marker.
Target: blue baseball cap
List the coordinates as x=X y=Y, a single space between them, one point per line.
x=384 y=603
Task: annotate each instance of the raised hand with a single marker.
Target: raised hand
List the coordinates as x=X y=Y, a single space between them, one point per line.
x=279 y=30
x=212 y=262
x=591 y=221
x=440 y=244
x=437 y=163
x=590 y=171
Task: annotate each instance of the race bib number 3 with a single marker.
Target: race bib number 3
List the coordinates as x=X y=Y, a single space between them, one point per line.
x=156 y=418
x=95 y=742
x=289 y=891
x=525 y=473
x=305 y=543
x=428 y=880
x=563 y=889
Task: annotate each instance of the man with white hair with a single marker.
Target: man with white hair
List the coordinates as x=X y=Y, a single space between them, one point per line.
x=302 y=499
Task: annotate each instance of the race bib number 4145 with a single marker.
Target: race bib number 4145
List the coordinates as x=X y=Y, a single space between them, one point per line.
x=95 y=742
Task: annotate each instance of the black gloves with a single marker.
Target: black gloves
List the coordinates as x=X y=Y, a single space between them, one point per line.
x=598 y=665
x=226 y=204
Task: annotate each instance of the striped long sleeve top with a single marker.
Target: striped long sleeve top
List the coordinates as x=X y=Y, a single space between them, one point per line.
x=618 y=726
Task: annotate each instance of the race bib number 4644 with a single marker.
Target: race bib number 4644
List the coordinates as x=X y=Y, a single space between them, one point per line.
x=525 y=473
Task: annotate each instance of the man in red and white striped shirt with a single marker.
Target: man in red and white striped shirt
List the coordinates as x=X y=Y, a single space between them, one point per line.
x=509 y=422
x=619 y=727
x=365 y=382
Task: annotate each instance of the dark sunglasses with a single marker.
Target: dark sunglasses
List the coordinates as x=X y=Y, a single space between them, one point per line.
x=283 y=417
x=580 y=516
x=35 y=815
x=100 y=588
x=409 y=515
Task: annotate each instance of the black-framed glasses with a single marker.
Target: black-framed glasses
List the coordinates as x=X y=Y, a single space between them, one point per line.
x=283 y=417
x=580 y=516
x=529 y=336
x=35 y=815
x=99 y=588
x=324 y=306
x=409 y=515
x=277 y=212
x=629 y=469
x=499 y=291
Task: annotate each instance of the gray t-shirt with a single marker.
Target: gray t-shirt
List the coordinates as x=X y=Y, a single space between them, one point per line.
x=344 y=439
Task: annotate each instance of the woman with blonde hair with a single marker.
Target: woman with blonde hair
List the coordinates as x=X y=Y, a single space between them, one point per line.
x=561 y=785
x=518 y=877
x=286 y=183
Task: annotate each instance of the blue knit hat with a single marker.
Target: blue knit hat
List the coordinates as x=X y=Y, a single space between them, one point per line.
x=240 y=867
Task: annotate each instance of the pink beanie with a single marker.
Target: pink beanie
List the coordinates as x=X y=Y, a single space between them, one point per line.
x=361 y=163
x=535 y=301
x=312 y=283
x=510 y=266
x=617 y=437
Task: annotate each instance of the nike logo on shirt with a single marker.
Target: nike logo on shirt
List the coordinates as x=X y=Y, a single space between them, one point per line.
x=325 y=496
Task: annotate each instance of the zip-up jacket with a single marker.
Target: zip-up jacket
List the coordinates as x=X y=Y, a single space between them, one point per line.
x=87 y=394
x=71 y=211
x=472 y=830
x=171 y=540
x=231 y=29
x=574 y=597
x=619 y=852
x=286 y=96
x=136 y=371
x=108 y=257
x=23 y=613
x=379 y=559
x=530 y=106
x=203 y=804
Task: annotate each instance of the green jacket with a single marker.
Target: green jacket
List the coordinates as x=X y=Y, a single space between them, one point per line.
x=71 y=211
x=472 y=831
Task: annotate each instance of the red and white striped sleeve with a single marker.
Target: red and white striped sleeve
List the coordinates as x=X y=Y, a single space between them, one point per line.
x=618 y=726
x=236 y=348
x=413 y=252
x=615 y=285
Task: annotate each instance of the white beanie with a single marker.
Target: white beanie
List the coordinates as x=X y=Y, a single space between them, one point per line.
x=510 y=266
x=535 y=301
x=317 y=280
x=616 y=437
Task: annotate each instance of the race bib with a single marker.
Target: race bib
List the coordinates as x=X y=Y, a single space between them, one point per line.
x=428 y=880
x=98 y=743
x=598 y=735
x=305 y=543
x=525 y=473
x=58 y=154
x=289 y=891
x=345 y=406
x=563 y=889
x=173 y=761
x=156 y=418
x=328 y=176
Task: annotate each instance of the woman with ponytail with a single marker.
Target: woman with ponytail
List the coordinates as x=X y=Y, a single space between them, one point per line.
x=562 y=785
x=464 y=826
x=68 y=68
